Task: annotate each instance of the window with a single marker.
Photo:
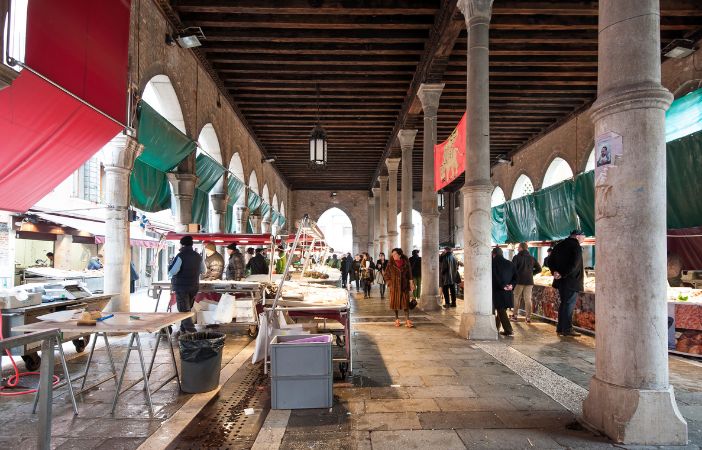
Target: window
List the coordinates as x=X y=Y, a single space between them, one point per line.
x=557 y=171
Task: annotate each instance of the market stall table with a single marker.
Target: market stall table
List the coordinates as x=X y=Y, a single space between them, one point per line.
x=124 y=323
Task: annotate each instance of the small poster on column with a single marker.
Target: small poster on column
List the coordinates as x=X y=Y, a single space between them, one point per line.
x=608 y=152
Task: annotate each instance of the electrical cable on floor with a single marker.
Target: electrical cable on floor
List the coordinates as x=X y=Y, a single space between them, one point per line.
x=13 y=380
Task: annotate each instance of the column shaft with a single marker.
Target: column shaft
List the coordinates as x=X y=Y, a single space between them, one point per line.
x=429 y=95
x=630 y=398
x=120 y=154
x=376 y=221
x=219 y=206
x=393 y=165
x=242 y=213
x=183 y=187
x=371 y=224
x=406 y=138
x=383 y=239
x=477 y=320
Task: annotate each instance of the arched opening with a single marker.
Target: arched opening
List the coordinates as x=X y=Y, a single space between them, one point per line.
x=522 y=187
x=282 y=209
x=161 y=96
x=590 y=161
x=274 y=205
x=498 y=197
x=209 y=144
x=337 y=229
x=559 y=170
x=253 y=186
x=265 y=195
x=416 y=232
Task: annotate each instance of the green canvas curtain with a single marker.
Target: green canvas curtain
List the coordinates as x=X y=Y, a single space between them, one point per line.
x=208 y=172
x=584 y=199
x=164 y=148
x=235 y=188
x=264 y=209
x=499 y=227
x=684 y=184
x=555 y=211
x=281 y=221
x=684 y=116
x=521 y=219
x=275 y=217
x=253 y=201
x=249 y=227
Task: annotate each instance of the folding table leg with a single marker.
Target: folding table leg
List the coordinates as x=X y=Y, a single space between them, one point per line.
x=46 y=392
x=143 y=371
x=87 y=364
x=68 y=378
x=124 y=369
x=153 y=354
x=109 y=355
x=173 y=358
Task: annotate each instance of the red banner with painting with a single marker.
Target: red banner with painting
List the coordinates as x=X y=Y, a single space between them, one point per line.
x=450 y=157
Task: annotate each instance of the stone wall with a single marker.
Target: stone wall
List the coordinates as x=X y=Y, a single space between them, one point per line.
x=199 y=98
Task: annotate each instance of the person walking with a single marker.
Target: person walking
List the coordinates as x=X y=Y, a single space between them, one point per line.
x=566 y=264
x=526 y=267
x=185 y=271
x=504 y=277
x=449 y=277
x=416 y=266
x=356 y=272
x=380 y=267
x=346 y=268
x=398 y=276
x=257 y=265
x=235 y=265
x=367 y=274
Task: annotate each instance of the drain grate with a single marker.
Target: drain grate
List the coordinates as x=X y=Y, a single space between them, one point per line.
x=223 y=423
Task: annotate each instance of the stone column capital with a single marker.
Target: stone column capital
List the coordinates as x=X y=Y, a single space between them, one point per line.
x=429 y=94
x=121 y=152
x=383 y=180
x=393 y=165
x=219 y=202
x=183 y=184
x=376 y=192
x=371 y=201
x=476 y=10
x=406 y=138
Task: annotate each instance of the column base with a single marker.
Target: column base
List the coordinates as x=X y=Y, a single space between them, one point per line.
x=478 y=327
x=428 y=302
x=634 y=416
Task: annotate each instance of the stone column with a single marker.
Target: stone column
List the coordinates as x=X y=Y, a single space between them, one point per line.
x=183 y=186
x=406 y=138
x=255 y=222
x=219 y=207
x=120 y=155
x=393 y=165
x=429 y=95
x=371 y=224
x=266 y=224
x=477 y=320
x=631 y=399
x=242 y=217
x=383 y=239
x=376 y=221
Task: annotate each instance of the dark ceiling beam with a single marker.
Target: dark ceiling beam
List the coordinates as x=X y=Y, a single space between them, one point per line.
x=328 y=7
x=306 y=21
x=336 y=48
x=448 y=24
x=585 y=8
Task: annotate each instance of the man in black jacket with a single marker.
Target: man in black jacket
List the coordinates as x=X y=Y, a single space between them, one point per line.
x=416 y=266
x=504 y=277
x=257 y=265
x=185 y=270
x=526 y=266
x=346 y=268
x=449 y=277
x=566 y=264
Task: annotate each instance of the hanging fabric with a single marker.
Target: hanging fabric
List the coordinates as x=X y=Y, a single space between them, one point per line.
x=521 y=219
x=499 y=227
x=584 y=200
x=684 y=116
x=684 y=184
x=149 y=188
x=264 y=209
x=208 y=172
x=254 y=201
x=555 y=211
x=235 y=188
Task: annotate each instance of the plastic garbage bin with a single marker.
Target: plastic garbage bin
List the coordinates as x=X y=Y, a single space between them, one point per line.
x=201 y=360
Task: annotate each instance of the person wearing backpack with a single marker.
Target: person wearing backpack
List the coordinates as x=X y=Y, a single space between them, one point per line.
x=566 y=264
x=526 y=267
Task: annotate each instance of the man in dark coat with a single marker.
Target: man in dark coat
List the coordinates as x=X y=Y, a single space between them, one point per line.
x=566 y=264
x=346 y=268
x=185 y=270
x=416 y=266
x=257 y=265
x=526 y=266
x=504 y=278
x=449 y=277
x=548 y=256
x=235 y=266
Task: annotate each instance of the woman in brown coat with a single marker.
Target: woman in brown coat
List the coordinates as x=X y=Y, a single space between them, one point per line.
x=398 y=277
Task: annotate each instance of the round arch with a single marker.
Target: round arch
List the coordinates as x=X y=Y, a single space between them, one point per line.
x=498 y=197
x=265 y=195
x=416 y=232
x=161 y=96
x=253 y=182
x=559 y=170
x=237 y=168
x=338 y=230
x=523 y=186
x=274 y=205
x=590 y=165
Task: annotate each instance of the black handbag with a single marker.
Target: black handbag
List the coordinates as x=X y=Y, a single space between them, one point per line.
x=412 y=304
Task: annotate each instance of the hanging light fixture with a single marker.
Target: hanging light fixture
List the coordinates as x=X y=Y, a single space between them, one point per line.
x=440 y=200
x=318 y=143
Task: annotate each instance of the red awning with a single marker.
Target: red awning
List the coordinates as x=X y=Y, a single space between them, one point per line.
x=224 y=238
x=47 y=134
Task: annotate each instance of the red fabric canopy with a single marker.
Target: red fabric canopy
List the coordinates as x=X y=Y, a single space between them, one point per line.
x=224 y=238
x=81 y=45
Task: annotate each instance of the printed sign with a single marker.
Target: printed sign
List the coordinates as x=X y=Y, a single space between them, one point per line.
x=450 y=156
x=608 y=151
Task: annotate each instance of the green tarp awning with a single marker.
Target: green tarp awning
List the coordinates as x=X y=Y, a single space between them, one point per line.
x=253 y=201
x=684 y=182
x=521 y=219
x=555 y=211
x=684 y=116
x=235 y=188
x=264 y=209
x=584 y=199
x=275 y=217
x=499 y=227
x=208 y=172
x=164 y=148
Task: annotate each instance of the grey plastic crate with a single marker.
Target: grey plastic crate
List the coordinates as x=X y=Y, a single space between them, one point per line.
x=299 y=360
x=301 y=374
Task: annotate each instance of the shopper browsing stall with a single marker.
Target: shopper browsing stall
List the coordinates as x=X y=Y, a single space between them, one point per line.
x=235 y=265
x=184 y=271
x=566 y=264
x=526 y=267
x=214 y=262
x=504 y=277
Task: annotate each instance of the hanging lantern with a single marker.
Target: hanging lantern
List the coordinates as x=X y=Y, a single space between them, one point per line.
x=440 y=200
x=318 y=148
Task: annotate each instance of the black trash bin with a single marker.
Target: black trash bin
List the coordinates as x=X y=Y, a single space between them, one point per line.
x=201 y=360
